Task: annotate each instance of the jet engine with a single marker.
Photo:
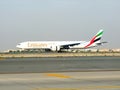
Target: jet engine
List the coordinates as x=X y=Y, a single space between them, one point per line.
x=55 y=48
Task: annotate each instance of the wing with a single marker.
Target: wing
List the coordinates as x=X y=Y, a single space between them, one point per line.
x=68 y=45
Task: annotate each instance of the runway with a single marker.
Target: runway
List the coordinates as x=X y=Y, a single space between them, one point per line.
x=77 y=73
x=61 y=81
x=58 y=64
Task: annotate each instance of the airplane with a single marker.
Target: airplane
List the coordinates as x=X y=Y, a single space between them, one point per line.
x=59 y=45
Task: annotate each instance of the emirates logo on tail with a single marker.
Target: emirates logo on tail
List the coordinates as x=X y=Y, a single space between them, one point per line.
x=95 y=39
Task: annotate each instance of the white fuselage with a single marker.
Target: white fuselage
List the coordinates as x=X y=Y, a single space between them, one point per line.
x=52 y=45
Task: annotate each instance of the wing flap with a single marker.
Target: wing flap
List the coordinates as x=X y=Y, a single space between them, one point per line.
x=68 y=45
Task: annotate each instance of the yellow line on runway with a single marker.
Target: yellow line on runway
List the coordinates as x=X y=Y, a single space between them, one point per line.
x=100 y=87
x=81 y=88
x=57 y=75
x=56 y=89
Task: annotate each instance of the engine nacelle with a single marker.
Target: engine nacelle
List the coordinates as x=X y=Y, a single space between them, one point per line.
x=55 y=48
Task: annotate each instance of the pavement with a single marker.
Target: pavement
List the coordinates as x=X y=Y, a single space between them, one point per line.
x=102 y=80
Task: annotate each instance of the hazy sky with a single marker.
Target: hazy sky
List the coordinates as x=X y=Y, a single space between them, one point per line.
x=26 y=20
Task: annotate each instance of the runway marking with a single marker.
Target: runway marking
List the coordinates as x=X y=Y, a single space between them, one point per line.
x=57 y=75
x=100 y=87
x=81 y=88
